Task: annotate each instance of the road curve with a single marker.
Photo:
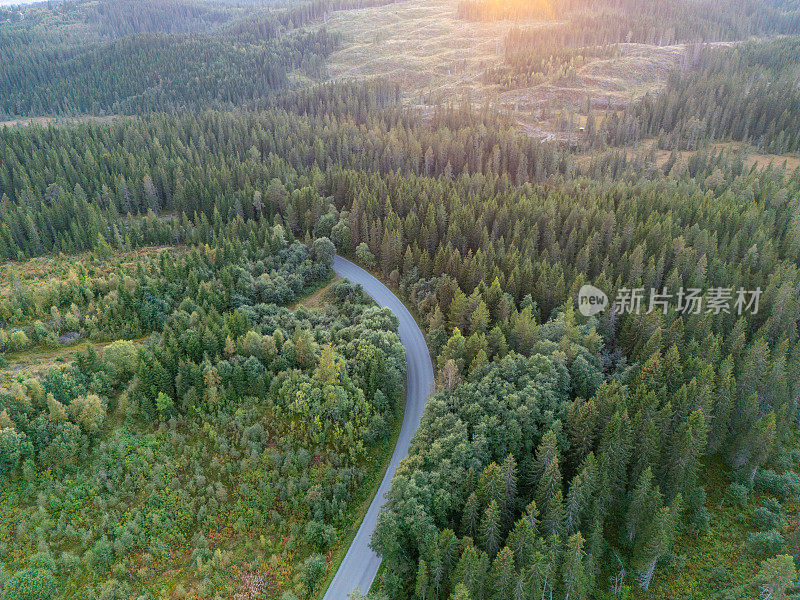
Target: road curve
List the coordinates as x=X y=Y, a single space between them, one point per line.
x=360 y=564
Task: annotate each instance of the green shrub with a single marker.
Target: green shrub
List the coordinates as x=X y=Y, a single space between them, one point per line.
x=795 y=456
x=699 y=518
x=720 y=575
x=320 y=534
x=30 y=584
x=782 y=486
x=765 y=543
x=364 y=256
x=42 y=560
x=763 y=518
x=738 y=495
x=121 y=357
x=323 y=251
x=164 y=404
x=313 y=570
x=18 y=341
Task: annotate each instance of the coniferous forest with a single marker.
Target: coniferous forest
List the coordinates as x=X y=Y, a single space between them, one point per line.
x=193 y=405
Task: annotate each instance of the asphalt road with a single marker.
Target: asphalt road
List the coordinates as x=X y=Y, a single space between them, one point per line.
x=360 y=564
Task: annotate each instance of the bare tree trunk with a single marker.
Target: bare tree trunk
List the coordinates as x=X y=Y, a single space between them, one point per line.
x=753 y=476
x=647 y=575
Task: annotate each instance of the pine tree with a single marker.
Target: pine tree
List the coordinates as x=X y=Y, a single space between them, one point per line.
x=645 y=502
x=685 y=449
x=614 y=457
x=471 y=516
x=762 y=443
x=479 y=320
x=545 y=453
x=491 y=529
x=549 y=483
x=581 y=427
x=421 y=588
x=522 y=542
x=655 y=540
x=509 y=474
x=554 y=515
x=581 y=491
x=576 y=577
x=503 y=575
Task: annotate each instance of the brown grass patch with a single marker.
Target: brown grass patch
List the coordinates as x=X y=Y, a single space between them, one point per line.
x=436 y=57
x=317 y=300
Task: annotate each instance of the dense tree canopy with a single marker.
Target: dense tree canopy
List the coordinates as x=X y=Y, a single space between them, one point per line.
x=562 y=456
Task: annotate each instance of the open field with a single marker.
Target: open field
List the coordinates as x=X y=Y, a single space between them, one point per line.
x=440 y=58
x=752 y=157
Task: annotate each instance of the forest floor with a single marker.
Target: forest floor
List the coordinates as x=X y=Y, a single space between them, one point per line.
x=439 y=58
x=718 y=560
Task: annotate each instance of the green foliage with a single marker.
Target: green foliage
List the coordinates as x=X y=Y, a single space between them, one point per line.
x=783 y=485
x=313 y=571
x=240 y=418
x=560 y=449
x=764 y=518
x=364 y=256
x=323 y=251
x=776 y=575
x=738 y=495
x=765 y=543
x=37 y=582
x=164 y=404
x=121 y=356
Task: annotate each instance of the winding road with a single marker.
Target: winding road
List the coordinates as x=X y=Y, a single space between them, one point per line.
x=360 y=564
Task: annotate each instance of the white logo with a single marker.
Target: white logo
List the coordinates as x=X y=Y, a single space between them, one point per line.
x=591 y=300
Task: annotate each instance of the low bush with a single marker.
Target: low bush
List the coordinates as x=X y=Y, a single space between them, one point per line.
x=765 y=543
x=738 y=495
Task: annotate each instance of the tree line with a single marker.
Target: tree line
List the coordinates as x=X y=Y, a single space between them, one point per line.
x=744 y=93
x=100 y=58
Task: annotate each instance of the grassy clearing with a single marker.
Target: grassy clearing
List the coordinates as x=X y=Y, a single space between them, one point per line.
x=319 y=299
x=36 y=362
x=43 y=270
x=751 y=157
